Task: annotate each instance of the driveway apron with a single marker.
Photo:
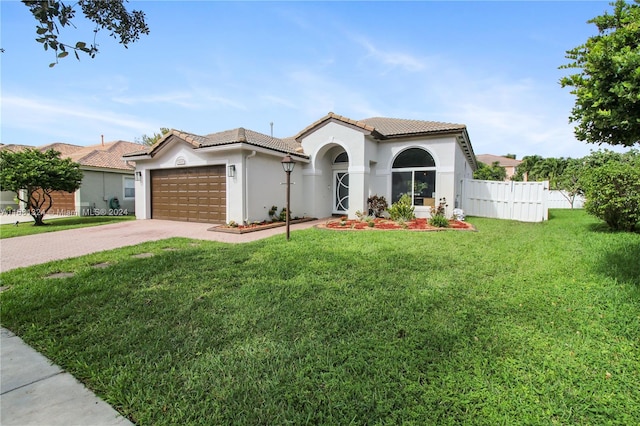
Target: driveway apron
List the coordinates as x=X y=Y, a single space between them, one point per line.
x=35 y=249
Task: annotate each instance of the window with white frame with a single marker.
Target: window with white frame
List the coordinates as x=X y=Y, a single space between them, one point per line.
x=129 y=187
x=414 y=173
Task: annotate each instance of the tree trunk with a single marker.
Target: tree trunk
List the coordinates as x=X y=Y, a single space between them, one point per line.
x=38 y=218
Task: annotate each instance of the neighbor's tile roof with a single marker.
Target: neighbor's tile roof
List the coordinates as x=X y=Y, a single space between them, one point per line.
x=489 y=159
x=14 y=148
x=64 y=149
x=108 y=155
x=105 y=156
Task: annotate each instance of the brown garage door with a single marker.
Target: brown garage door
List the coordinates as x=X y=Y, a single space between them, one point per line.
x=62 y=203
x=197 y=194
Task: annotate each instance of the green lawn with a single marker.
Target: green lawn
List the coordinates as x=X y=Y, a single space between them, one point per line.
x=59 y=224
x=514 y=324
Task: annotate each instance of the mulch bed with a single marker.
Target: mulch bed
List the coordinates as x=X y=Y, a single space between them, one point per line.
x=253 y=227
x=387 y=224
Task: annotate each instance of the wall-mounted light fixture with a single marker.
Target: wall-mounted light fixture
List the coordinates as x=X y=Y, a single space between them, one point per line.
x=231 y=171
x=138 y=176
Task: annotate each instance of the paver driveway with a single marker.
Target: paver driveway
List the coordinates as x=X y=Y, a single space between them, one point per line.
x=34 y=249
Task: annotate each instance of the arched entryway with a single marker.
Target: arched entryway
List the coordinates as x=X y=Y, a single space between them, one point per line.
x=340 y=167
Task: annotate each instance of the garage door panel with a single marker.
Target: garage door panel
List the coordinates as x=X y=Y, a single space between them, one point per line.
x=194 y=195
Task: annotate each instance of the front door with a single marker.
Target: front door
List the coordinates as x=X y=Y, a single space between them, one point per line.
x=341 y=192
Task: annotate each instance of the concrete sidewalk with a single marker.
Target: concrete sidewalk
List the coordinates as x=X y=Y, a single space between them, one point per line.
x=33 y=391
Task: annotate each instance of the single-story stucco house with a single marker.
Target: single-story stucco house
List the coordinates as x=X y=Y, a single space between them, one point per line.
x=236 y=175
x=107 y=183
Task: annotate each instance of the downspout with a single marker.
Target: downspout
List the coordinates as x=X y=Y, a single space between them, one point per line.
x=245 y=193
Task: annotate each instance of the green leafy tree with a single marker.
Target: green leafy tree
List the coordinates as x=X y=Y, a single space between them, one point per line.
x=526 y=167
x=150 y=140
x=111 y=15
x=33 y=175
x=493 y=172
x=607 y=89
x=548 y=169
x=568 y=183
x=612 y=189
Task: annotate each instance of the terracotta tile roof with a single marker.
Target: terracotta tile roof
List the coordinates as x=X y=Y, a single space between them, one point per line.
x=14 y=148
x=333 y=117
x=397 y=127
x=108 y=155
x=384 y=128
x=242 y=135
x=489 y=159
x=227 y=137
x=64 y=149
x=380 y=128
x=105 y=156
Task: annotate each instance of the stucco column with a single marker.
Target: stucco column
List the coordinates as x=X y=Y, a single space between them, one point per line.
x=358 y=190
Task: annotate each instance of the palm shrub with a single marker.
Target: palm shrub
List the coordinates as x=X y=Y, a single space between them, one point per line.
x=612 y=191
x=402 y=210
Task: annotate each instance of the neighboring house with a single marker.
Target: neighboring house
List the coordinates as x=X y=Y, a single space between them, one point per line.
x=236 y=175
x=510 y=165
x=106 y=178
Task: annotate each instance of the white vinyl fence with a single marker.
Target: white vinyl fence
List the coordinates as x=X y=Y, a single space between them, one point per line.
x=558 y=201
x=522 y=201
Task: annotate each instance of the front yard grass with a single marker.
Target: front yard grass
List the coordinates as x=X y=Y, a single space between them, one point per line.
x=517 y=323
x=58 y=224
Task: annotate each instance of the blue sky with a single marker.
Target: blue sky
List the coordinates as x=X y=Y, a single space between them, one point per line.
x=212 y=66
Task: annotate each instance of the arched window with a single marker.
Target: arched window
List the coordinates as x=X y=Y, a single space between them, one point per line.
x=414 y=173
x=341 y=158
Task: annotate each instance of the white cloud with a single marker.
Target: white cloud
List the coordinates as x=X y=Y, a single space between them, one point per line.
x=391 y=59
x=182 y=99
x=70 y=122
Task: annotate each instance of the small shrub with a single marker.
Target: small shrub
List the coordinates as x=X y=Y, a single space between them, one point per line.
x=438 y=218
x=371 y=223
x=364 y=217
x=439 y=221
x=402 y=210
x=272 y=213
x=233 y=224
x=377 y=205
x=283 y=215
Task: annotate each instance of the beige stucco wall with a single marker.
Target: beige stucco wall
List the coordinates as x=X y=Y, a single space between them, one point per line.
x=98 y=188
x=7 y=200
x=266 y=187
